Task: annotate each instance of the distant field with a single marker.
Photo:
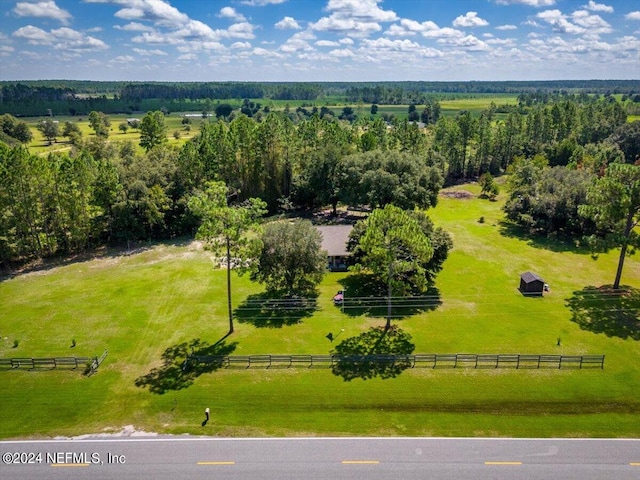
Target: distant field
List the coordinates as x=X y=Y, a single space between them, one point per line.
x=450 y=106
x=173 y=122
x=162 y=298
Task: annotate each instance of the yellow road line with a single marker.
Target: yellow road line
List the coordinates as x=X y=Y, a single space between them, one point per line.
x=216 y=463
x=360 y=462
x=69 y=464
x=635 y=464
x=503 y=463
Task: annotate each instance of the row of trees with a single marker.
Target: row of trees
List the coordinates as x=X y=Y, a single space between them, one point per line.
x=597 y=205
x=33 y=98
x=127 y=195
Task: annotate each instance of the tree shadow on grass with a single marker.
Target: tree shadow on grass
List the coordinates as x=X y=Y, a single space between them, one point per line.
x=616 y=313
x=365 y=296
x=373 y=353
x=276 y=310
x=553 y=243
x=173 y=375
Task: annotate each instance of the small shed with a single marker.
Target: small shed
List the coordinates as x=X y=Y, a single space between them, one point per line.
x=531 y=284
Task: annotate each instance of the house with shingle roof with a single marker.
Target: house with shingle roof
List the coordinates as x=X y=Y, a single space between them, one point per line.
x=334 y=242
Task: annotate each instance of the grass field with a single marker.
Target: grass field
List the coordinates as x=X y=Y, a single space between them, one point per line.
x=166 y=297
x=172 y=121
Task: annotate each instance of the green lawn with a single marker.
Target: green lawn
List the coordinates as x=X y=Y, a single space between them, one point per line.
x=169 y=297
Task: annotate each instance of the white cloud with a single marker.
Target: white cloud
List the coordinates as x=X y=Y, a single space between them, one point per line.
x=240 y=45
x=288 y=23
x=386 y=44
x=146 y=53
x=299 y=42
x=261 y=3
x=263 y=52
x=34 y=35
x=386 y=49
x=427 y=29
x=43 y=9
x=342 y=53
x=123 y=59
x=201 y=46
x=396 y=30
x=346 y=25
x=187 y=57
x=504 y=42
x=61 y=39
x=173 y=27
x=241 y=30
x=366 y=10
x=6 y=50
x=470 y=19
x=507 y=27
x=445 y=32
x=468 y=42
x=66 y=33
x=593 y=23
x=230 y=12
x=598 y=7
x=530 y=3
x=156 y=11
x=559 y=22
x=633 y=15
x=327 y=43
x=134 y=27
x=358 y=18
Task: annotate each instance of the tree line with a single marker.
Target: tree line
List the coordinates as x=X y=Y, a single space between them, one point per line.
x=63 y=97
x=104 y=191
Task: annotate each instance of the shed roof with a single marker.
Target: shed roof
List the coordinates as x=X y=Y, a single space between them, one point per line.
x=335 y=238
x=529 y=277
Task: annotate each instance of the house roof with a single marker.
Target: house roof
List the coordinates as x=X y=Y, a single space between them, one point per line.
x=335 y=238
x=529 y=277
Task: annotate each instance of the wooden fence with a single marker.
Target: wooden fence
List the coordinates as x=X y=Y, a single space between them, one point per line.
x=90 y=364
x=429 y=360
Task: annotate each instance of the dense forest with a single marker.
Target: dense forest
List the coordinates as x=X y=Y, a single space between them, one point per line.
x=62 y=97
x=104 y=191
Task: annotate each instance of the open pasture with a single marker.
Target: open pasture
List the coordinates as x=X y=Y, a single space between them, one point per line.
x=173 y=121
x=151 y=307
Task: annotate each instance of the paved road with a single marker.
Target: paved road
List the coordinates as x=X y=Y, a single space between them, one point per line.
x=322 y=458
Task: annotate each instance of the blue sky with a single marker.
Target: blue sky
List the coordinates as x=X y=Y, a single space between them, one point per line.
x=319 y=40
